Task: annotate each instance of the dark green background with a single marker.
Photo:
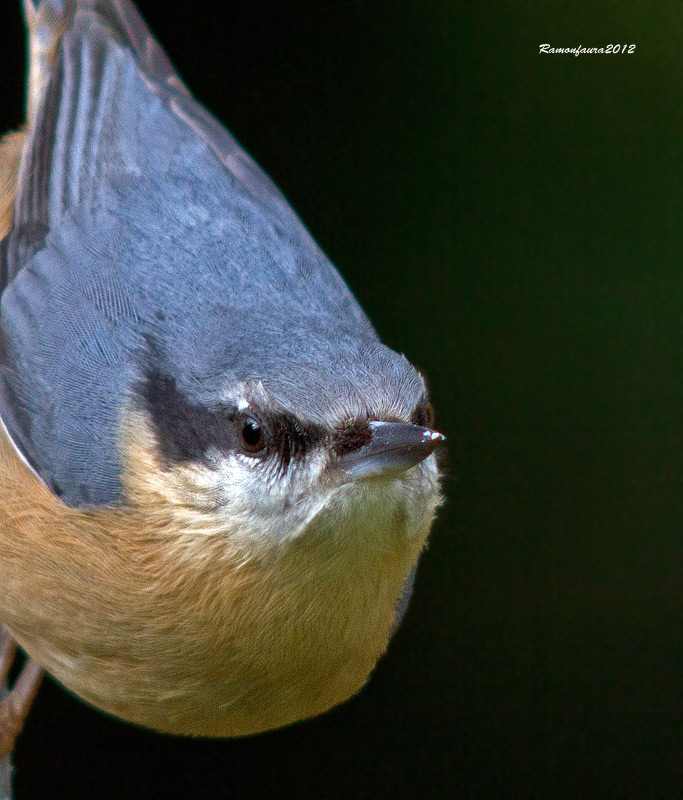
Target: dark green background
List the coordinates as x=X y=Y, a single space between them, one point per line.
x=512 y=222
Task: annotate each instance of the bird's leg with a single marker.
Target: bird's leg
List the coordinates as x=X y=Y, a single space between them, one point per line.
x=14 y=703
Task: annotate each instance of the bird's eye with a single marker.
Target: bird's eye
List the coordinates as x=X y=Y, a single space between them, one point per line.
x=424 y=414
x=251 y=435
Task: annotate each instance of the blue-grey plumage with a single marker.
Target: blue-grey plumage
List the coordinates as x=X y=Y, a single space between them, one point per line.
x=179 y=355
x=149 y=222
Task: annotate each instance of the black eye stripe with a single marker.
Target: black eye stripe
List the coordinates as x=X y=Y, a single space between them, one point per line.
x=292 y=439
x=186 y=432
x=352 y=437
x=423 y=414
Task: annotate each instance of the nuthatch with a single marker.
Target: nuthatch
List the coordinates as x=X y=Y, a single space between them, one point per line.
x=215 y=481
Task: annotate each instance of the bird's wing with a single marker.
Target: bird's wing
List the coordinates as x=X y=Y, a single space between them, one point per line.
x=137 y=215
x=84 y=56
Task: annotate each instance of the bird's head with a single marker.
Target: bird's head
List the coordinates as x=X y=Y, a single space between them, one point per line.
x=329 y=434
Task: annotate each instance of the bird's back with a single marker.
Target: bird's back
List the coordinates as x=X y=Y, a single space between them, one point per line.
x=141 y=231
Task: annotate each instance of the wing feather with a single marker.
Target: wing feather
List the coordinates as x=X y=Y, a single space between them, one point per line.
x=134 y=205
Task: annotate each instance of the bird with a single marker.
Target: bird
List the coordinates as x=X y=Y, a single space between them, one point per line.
x=215 y=480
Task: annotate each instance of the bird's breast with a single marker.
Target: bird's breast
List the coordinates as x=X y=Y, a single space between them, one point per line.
x=178 y=629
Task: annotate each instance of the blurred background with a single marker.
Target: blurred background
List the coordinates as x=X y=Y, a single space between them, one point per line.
x=512 y=222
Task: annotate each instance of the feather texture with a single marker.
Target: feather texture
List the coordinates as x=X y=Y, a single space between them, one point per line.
x=139 y=218
x=165 y=618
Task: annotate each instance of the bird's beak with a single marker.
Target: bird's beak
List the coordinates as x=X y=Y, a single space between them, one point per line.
x=394 y=447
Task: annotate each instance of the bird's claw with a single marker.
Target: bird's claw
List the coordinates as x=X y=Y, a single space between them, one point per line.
x=14 y=704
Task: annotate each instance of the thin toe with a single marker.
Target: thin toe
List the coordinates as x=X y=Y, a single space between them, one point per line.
x=15 y=704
